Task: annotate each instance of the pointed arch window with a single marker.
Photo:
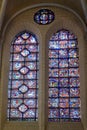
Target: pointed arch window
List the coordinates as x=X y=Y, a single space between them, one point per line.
x=64 y=84
x=23 y=78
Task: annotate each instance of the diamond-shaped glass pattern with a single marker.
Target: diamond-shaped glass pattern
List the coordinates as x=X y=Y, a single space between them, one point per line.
x=23 y=88
x=23 y=78
x=25 y=52
x=24 y=70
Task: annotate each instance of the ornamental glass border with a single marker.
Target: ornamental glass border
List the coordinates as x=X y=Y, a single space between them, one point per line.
x=23 y=78
x=44 y=16
x=64 y=85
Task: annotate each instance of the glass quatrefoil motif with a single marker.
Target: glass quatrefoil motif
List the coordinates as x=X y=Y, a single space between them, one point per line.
x=44 y=16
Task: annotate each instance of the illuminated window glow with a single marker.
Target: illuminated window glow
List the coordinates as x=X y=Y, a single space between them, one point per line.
x=23 y=78
x=64 y=84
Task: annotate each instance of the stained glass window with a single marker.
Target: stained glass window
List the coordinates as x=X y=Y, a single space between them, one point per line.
x=64 y=85
x=23 y=78
x=44 y=16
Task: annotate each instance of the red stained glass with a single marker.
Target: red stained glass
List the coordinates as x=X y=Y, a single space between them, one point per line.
x=23 y=78
x=64 y=92
x=44 y=16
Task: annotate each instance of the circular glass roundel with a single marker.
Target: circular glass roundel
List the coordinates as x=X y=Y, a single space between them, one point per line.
x=44 y=16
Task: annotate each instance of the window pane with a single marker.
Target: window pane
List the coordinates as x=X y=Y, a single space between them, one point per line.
x=44 y=16
x=23 y=78
x=64 y=91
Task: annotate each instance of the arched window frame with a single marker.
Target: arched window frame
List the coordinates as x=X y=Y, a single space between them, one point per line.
x=63 y=68
x=10 y=33
x=23 y=47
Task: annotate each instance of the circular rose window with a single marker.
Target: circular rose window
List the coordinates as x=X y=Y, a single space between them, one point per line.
x=44 y=16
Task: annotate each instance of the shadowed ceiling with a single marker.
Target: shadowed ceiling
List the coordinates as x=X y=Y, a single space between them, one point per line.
x=10 y=7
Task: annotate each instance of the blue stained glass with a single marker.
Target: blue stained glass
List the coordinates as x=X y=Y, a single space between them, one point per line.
x=63 y=72
x=53 y=54
x=75 y=102
x=73 y=62
x=23 y=78
x=63 y=63
x=53 y=82
x=64 y=102
x=53 y=102
x=64 y=92
x=19 y=40
x=53 y=63
x=64 y=113
x=63 y=82
x=53 y=92
x=44 y=16
x=53 y=113
x=63 y=53
x=75 y=113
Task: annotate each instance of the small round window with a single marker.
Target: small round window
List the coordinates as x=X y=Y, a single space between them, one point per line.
x=44 y=16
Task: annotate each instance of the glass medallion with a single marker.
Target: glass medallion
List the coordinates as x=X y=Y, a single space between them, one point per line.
x=24 y=70
x=64 y=84
x=44 y=16
x=23 y=89
x=23 y=78
x=25 y=52
x=22 y=108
